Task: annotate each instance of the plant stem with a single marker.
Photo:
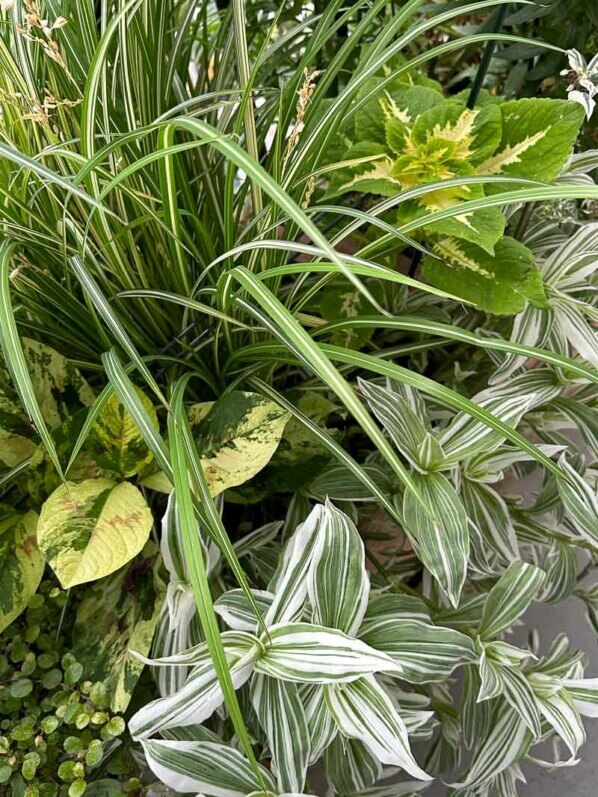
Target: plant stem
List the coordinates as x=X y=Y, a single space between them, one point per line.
x=487 y=56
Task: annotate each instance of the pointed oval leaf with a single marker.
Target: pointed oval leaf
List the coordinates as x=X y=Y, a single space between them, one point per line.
x=21 y=565
x=89 y=530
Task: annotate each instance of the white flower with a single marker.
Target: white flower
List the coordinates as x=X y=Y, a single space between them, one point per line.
x=6 y=5
x=583 y=80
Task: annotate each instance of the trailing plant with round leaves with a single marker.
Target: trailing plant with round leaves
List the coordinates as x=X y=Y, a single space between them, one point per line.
x=314 y=495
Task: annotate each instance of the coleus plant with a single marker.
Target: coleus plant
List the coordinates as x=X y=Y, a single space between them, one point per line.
x=320 y=673
x=405 y=134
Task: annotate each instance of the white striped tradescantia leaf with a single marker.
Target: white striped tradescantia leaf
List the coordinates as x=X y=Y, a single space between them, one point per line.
x=520 y=695
x=281 y=714
x=237 y=612
x=584 y=693
x=351 y=767
x=290 y=582
x=487 y=509
x=406 y=428
x=561 y=712
x=339 y=585
x=507 y=740
x=217 y=770
x=315 y=655
x=321 y=725
x=201 y=694
x=509 y=598
x=425 y=652
x=440 y=535
x=580 y=501
x=363 y=710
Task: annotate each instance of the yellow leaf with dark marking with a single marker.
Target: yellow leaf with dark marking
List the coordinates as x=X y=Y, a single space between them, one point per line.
x=21 y=565
x=90 y=529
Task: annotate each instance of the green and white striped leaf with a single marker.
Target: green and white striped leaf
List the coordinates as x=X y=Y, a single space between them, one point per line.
x=487 y=509
x=440 y=535
x=562 y=714
x=201 y=693
x=291 y=581
x=425 y=652
x=90 y=529
x=507 y=740
x=580 y=501
x=385 y=606
x=584 y=693
x=363 y=710
x=351 y=767
x=509 y=598
x=21 y=565
x=321 y=725
x=405 y=427
x=207 y=767
x=311 y=654
x=520 y=695
x=339 y=585
x=237 y=612
x=281 y=714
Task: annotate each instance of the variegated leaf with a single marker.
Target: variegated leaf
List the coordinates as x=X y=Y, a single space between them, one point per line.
x=90 y=529
x=21 y=565
x=439 y=533
x=351 y=767
x=281 y=714
x=425 y=652
x=363 y=710
x=339 y=585
x=509 y=598
x=311 y=654
x=580 y=501
x=214 y=769
x=237 y=612
x=562 y=714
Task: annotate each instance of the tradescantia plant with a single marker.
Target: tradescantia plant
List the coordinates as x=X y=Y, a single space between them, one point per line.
x=299 y=502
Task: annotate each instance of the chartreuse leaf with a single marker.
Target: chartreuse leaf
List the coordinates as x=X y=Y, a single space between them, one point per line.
x=206 y=767
x=21 y=565
x=115 y=441
x=537 y=138
x=440 y=538
x=281 y=714
x=238 y=437
x=509 y=598
x=426 y=652
x=339 y=585
x=115 y=616
x=90 y=529
x=312 y=654
x=502 y=283
x=362 y=710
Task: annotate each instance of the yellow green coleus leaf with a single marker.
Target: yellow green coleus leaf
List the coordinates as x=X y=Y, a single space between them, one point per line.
x=538 y=136
x=21 y=564
x=114 y=617
x=502 y=284
x=115 y=442
x=237 y=437
x=88 y=530
x=60 y=391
